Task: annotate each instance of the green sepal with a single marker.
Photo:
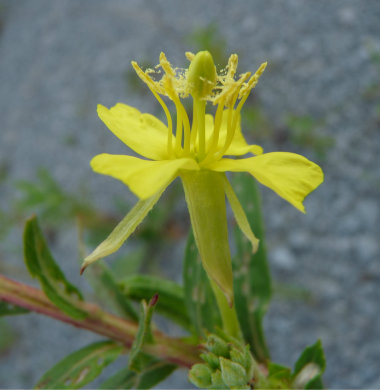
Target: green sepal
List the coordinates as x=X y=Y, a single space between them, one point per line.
x=137 y=358
x=80 y=367
x=123 y=230
x=171 y=301
x=153 y=372
x=252 y=280
x=240 y=216
x=199 y=298
x=41 y=265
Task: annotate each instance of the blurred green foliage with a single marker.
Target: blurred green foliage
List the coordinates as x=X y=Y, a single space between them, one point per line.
x=209 y=38
x=303 y=131
x=56 y=206
x=7 y=336
x=133 y=82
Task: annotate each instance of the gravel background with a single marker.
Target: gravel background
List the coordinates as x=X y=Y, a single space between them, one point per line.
x=58 y=59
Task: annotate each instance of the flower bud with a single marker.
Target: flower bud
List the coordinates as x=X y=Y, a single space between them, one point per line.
x=218 y=346
x=211 y=359
x=244 y=358
x=217 y=381
x=233 y=374
x=201 y=77
x=200 y=376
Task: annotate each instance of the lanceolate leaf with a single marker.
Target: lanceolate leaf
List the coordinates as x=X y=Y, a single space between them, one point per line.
x=199 y=297
x=6 y=309
x=252 y=282
x=309 y=368
x=150 y=375
x=137 y=358
x=171 y=301
x=81 y=367
x=41 y=265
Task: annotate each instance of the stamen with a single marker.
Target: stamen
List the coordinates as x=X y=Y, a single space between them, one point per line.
x=231 y=127
x=189 y=55
x=182 y=118
x=229 y=88
x=144 y=76
x=186 y=130
x=194 y=128
x=200 y=106
x=232 y=66
x=166 y=66
x=178 y=133
x=246 y=89
x=151 y=85
x=217 y=125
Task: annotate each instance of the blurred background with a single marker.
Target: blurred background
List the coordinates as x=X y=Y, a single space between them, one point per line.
x=320 y=97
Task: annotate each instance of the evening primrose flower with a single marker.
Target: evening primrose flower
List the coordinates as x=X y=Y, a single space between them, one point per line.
x=198 y=150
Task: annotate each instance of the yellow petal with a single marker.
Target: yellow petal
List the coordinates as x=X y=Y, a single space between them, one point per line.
x=143 y=177
x=238 y=145
x=122 y=231
x=290 y=175
x=143 y=133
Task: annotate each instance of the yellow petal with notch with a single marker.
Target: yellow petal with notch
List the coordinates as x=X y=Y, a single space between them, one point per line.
x=290 y=175
x=143 y=133
x=143 y=177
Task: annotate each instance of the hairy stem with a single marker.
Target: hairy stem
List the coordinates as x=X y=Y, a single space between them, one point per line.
x=99 y=321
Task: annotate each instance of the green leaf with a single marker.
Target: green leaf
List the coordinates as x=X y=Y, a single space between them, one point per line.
x=309 y=368
x=279 y=372
x=137 y=358
x=123 y=230
x=81 y=367
x=199 y=297
x=252 y=281
x=41 y=265
x=150 y=375
x=7 y=309
x=171 y=301
x=104 y=280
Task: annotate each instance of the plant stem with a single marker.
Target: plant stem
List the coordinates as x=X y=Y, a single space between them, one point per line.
x=174 y=350
x=229 y=316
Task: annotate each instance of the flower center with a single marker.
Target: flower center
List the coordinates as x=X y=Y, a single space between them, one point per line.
x=202 y=82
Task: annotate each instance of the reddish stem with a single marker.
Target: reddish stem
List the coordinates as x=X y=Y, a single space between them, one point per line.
x=99 y=321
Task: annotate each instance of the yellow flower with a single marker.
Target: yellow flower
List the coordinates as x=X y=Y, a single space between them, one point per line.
x=202 y=144
x=194 y=148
